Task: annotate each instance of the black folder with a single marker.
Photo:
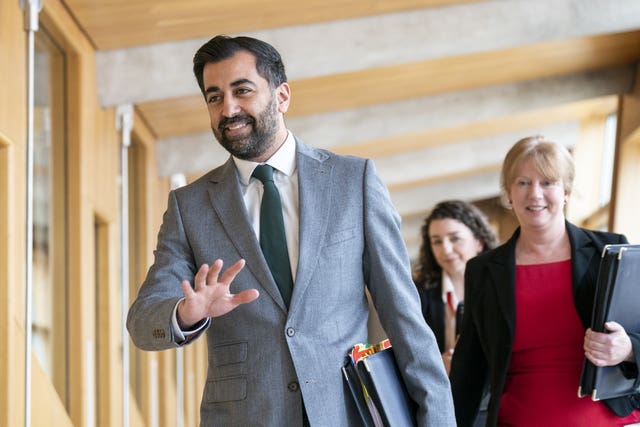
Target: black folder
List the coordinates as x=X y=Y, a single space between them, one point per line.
x=617 y=299
x=380 y=376
x=355 y=387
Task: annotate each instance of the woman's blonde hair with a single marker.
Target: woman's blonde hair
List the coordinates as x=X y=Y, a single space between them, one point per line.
x=550 y=158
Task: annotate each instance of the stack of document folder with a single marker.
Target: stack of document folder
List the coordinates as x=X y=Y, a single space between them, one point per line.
x=373 y=377
x=617 y=299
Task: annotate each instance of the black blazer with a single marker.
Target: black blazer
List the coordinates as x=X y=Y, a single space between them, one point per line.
x=433 y=310
x=483 y=352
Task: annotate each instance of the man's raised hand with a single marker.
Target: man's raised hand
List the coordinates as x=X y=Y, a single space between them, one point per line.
x=210 y=295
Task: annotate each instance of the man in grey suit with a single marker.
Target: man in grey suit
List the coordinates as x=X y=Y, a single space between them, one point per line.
x=274 y=360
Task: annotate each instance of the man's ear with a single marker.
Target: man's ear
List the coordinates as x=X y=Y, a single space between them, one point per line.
x=283 y=93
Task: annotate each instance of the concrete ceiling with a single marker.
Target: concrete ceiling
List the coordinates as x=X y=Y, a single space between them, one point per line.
x=434 y=91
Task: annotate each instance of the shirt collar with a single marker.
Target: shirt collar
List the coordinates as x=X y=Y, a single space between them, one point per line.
x=284 y=160
x=447 y=286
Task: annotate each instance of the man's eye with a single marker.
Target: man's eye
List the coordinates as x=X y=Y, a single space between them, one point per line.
x=213 y=99
x=243 y=91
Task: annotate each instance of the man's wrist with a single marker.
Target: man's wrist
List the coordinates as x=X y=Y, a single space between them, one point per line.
x=184 y=325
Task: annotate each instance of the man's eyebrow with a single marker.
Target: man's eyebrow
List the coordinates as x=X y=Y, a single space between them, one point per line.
x=236 y=83
x=212 y=89
x=242 y=82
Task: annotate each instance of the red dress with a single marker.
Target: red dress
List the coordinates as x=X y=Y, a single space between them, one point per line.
x=542 y=382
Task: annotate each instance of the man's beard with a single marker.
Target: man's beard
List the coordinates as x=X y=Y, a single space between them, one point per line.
x=259 y=140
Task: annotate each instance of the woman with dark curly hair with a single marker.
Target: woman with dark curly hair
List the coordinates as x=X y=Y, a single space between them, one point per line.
x=453 y=233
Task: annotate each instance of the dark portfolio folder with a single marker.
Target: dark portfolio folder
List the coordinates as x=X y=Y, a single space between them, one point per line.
x=373 y=377
x=617 y=299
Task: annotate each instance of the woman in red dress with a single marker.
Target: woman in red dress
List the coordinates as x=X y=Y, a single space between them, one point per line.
x=528 y=306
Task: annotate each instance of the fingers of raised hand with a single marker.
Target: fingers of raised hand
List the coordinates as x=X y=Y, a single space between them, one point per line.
x=187 y=290
x=200 y=280
x=245 y=296
x=214 y=271
x=210 y=275
x=231 y=272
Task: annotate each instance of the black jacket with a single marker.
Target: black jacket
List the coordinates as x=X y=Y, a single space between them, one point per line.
x=433 y=310
x=483 y=352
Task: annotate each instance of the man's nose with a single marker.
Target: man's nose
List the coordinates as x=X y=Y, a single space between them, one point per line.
x=230 y=106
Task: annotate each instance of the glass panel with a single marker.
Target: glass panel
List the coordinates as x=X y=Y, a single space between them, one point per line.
x=608 y=155
x=50 y=213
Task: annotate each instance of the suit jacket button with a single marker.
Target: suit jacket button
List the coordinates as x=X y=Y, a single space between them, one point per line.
x=291 y=332
x=293 y=386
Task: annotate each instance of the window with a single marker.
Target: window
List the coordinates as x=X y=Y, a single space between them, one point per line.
x=50 y=320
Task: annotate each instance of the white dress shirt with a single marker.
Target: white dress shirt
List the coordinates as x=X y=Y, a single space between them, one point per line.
x=449 y=316
x=285 y=176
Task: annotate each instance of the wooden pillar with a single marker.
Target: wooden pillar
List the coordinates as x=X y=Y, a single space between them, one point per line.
x=625 y=197
x=13 y=124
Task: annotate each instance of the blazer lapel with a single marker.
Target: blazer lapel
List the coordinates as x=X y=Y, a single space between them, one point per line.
x=502 y=268
x=314 y=186
x=582 y=253
x=583 y=271
x=226 y=199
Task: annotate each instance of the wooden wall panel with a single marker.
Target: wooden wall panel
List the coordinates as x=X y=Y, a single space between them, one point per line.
x=152 y=193
x=47 y=410
x=13 y=119
x=148 y=21
x=625 y=203
x=92 y=197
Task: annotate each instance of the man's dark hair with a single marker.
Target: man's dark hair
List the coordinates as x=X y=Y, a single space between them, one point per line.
x=268 y=61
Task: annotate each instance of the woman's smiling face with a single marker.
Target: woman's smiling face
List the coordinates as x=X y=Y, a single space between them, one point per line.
x=537 y=200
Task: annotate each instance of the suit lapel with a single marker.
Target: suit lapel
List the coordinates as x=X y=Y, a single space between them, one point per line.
x=314 y=186
x=582 y=253
x=583 y=271
x=502 y=268
x=227 y=202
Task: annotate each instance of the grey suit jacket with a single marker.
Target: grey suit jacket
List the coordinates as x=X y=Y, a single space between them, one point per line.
x=264 y=359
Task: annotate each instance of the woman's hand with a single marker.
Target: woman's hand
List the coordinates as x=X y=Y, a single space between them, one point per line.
x=608 y=349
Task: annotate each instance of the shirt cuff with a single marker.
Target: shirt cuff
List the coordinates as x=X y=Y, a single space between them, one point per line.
x=179 y=334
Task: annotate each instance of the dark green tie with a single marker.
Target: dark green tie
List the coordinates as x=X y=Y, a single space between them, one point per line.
x=272 y=237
